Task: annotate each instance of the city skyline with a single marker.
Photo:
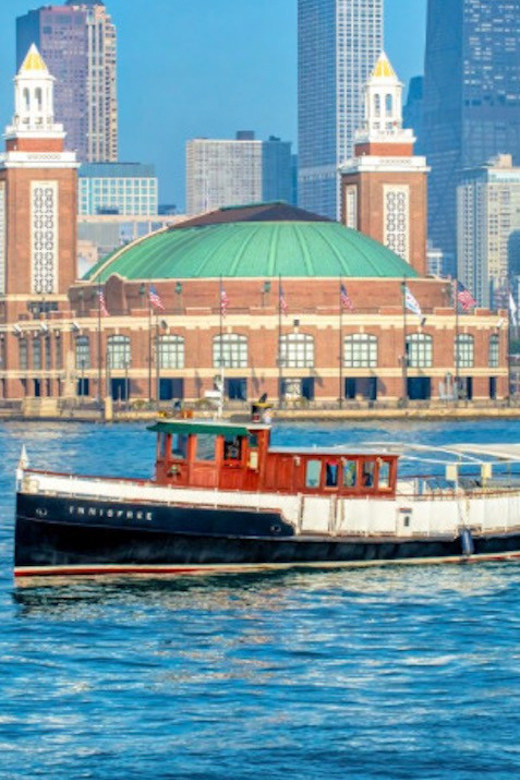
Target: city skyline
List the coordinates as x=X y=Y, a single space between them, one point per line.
x=253 y=88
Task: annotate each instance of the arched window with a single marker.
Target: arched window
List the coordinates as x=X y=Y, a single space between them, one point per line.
x=38 y=99
x=26 y=99
x=419 y=350
x=494 y=351
x=230 y=351
x=23 y=354
x=389 y=105
x=297 y=350
x=82 y=352
x=377 y=105
x=464 y=351
x=360 y=351
x=118 y=352
x=171 y=352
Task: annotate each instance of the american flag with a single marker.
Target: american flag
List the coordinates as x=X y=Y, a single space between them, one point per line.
x=155 y=298
x=464 y=297
x=224 y=301
x=102 y=303
x=284 y=308
x=346 y=302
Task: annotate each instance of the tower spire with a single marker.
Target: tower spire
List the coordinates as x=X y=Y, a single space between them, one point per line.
x=34 y=99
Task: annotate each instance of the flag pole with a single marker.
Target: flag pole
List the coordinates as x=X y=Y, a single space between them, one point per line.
x=280 y=375
x=221 y=351
x=340 y=347
x=457 y=358
x=149 y=345
x=405 y=344
x=99 y=346
x=157 y=359
x=508 y=342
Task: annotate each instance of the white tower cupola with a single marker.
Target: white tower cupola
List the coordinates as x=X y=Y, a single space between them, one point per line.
x=384 y=107
x=34 y=99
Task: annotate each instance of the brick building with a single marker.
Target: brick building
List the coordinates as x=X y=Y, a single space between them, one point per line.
x=268 y=297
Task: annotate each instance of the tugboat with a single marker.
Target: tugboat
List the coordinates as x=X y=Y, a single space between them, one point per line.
x=224 y=500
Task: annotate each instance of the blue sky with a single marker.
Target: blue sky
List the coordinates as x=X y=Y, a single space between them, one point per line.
x=189 y=68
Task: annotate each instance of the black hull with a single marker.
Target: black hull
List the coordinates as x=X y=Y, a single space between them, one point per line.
x=56 y=536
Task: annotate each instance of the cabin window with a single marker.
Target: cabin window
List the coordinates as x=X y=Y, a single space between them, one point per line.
x=180 y=446
x=368 y=474
x=313 y=472
x=232 y=448
x=206 y=443
x=162 y=446
x=384 y=475
x=331 y=475
x=350 y=474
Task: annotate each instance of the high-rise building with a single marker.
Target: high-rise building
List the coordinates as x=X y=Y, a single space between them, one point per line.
x=78 y=43
x=471 y=100
x=413 y=109
x=488 y=222
x=339 y=42
x=129 y=189
x=221 y=172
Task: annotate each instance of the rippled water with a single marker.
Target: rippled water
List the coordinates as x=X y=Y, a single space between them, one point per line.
x=390 y=673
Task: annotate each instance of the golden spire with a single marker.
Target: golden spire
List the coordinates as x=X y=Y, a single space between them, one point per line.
x=33 y=61
x=383 y=69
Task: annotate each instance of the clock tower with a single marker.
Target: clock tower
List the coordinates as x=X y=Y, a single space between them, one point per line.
x=38 y=200
x=384 y=187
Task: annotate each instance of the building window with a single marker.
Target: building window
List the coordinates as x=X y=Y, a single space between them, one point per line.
x=171 y=352
x=37 y=354
x=118 y=352
x=59 y=352
x=360 y=351
x=82 y=352
x=23 y=355
x=464 y=351
x=48 y=353
x=419 y=350
x=230 y=351
x=297 y=350
x=494 y=351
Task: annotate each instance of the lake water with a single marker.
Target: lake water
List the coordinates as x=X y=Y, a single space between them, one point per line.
x=380 y=673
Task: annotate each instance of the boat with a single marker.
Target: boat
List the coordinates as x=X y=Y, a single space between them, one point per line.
x=224 y=499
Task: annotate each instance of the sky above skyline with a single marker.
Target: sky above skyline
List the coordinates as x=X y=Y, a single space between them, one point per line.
x=207 y=68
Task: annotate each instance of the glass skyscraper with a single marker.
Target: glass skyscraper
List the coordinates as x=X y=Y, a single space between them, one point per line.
x=78 y=42
x=471 y=100
x=339 y=42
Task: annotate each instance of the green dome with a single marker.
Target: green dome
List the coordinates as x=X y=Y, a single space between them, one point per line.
x=248 y=249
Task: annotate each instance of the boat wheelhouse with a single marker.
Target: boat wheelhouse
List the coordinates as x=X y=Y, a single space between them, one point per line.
x=224 y=499
x=236 y=457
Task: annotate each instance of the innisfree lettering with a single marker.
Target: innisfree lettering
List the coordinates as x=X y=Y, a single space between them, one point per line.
x=117 y=514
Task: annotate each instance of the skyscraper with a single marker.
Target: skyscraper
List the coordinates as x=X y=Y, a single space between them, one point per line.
x=488 y=212
x=471 y=100
x=339 y=42
x=78 y=42
x=223 y=172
